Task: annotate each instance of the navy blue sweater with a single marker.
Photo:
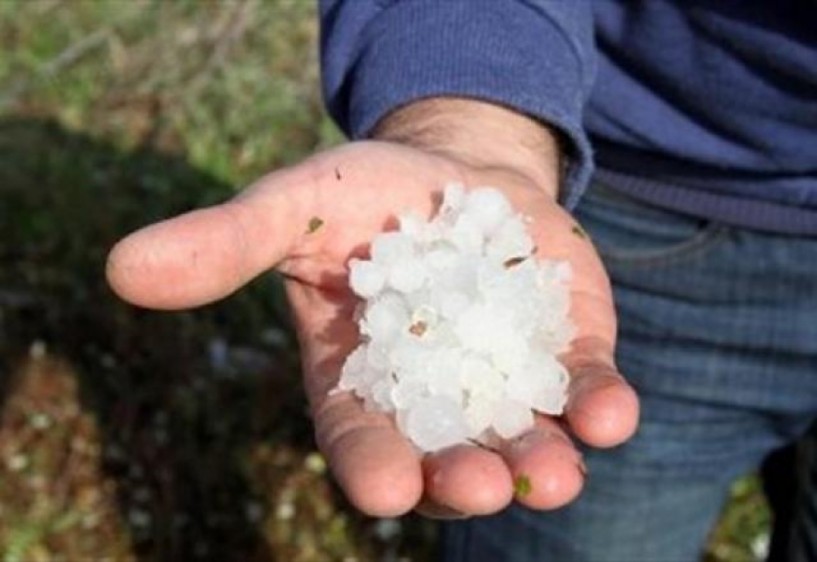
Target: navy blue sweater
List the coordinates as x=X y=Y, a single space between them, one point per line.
x=704 y=106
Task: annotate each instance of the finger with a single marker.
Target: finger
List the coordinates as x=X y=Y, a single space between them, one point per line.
x=602 y=409
x=207 y=254
x=375 y=465
x=467 y=480
x=377 y=468
x=547 y=470
x=433 y=510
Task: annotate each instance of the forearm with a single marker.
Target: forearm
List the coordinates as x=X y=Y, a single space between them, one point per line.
x=480 y=134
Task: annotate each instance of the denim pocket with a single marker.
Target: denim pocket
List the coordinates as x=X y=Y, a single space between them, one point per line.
x=629 y=232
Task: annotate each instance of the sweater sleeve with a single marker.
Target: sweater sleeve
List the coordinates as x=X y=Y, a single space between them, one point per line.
x=535 y=56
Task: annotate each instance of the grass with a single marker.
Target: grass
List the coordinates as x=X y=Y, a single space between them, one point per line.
x=131 y=435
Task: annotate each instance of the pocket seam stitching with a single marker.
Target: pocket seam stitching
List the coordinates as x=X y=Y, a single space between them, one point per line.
x=703 y=240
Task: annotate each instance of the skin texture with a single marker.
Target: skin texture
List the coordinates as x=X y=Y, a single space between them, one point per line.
x=356 y=191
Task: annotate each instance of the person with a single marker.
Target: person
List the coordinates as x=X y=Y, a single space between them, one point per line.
x=701 y=119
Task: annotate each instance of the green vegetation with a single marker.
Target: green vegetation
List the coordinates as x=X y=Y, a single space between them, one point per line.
x=133 y=435
x=522 y=486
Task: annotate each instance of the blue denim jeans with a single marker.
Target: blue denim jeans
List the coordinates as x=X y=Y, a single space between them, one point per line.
x=718 y=334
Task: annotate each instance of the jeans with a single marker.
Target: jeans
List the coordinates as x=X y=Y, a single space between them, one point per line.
x=718 y=334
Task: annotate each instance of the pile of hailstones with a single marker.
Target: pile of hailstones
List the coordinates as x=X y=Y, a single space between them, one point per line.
x=460 y=327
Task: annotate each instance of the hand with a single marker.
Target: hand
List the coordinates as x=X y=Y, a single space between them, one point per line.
x=354 y=192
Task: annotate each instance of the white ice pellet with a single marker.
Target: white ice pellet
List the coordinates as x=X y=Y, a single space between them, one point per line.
x=407 y=392
x=482 y=378
x=407 y=276
x=443 y=369
x=384 y=319
x=451 y=304
x=488 y=208
x=366 y=278
x=479 y=413
x=436 y=422
x=412 y=224
x=391 y=247
x=465 y=235
x=354 y=369
x=476 y=328
x=381 y=395
x=453 y=200
x=511 y=417
x=509 y=241
x=541 y=382
x=460 y=326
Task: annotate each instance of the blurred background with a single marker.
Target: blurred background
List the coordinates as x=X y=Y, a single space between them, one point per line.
x=142 y=436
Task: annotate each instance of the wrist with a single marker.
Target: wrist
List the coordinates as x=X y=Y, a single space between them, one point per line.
x=479 y=134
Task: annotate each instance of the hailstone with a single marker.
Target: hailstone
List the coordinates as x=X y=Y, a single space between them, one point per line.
x=460 y=325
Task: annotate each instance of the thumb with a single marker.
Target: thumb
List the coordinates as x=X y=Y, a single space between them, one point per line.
x=206 y=254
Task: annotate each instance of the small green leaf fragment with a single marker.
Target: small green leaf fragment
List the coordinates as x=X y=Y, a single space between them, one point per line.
x=522 y=486
x=579 y=231
x=314 y=224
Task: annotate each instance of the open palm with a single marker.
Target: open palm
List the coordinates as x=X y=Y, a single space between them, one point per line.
x=306 y=222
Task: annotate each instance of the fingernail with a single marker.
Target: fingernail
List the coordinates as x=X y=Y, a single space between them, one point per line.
x=582 y=466
x=535 y=438
x=436 y=510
